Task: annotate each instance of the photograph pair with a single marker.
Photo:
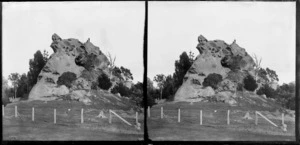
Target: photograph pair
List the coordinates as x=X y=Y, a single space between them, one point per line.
x=149 y=71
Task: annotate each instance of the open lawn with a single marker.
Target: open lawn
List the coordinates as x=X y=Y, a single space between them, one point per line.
x=68 y=123
x=214 y=123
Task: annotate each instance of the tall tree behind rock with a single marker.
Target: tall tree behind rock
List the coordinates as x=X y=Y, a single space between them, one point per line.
x=35 y=66
x=181 y=67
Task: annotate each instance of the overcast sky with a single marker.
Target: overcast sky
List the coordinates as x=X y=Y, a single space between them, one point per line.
x=115 y=27
x=264 y=28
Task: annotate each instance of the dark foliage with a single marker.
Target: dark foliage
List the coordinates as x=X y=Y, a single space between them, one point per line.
x=212 y=80
x=267 y=90
x=181 y=67
x=152 y=93
x=88 y=61
x=67 y=78
x=250 y=83
x=35 y=66
x=127 y=73
x=285 y=95
x=104 y=82
x=122 y=89
x=168 y=90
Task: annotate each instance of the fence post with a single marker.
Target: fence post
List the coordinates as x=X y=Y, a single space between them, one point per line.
x=32 y=113
x=136 y=118
x=3 y=110
x=109 y=120
x=282 y=116
x=16 y=110
x=54 y=116
x=161 y=112
x=149 y=111
x=200 y=117
x=81 y=115
x=256 y=118
x=228 y=117
x=178 y=114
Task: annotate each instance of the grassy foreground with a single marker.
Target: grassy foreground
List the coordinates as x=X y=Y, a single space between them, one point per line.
x=68 y=122
x=214 y=123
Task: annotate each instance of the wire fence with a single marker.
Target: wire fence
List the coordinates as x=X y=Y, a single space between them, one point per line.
x=219 y=117
x=74 y=116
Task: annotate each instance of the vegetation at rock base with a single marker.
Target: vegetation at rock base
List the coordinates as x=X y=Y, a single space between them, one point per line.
x=212 y=80
x=250 y=83
x=104 y=82
x=266 y=90
x=67 y=78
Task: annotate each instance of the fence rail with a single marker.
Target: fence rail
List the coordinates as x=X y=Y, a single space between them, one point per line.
x=68 y=116
x=211 y=117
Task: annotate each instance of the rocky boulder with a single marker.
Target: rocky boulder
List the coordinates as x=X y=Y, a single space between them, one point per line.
x=232 y=62
x=84 y=60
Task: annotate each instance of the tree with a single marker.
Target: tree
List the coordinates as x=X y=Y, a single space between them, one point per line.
x=250 y=83
x=5 y=87
x=160 y=79
x=286 y=95
x=181 y=67
x=35 y=66
x=14 y=78
x=22 y=89
x=168 y=90
x=104 y=82
x=137 y=94
x=257 y=66
x=191 y=57
x=267 y=90
x=45 y=55
x=151 y=93
x=127 y=73
x=272 y=74
x=111 y=65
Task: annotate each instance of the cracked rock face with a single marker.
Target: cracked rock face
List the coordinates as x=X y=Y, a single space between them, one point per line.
x=215 y=57
x=70 y=55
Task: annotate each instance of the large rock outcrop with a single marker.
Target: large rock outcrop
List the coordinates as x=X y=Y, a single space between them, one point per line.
x=84 y=60
x=232 y=62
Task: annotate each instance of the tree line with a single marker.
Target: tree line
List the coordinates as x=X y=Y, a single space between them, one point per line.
x=23 y=83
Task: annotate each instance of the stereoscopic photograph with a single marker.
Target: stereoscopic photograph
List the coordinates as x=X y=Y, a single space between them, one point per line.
x=72 y=71
x=221 y=71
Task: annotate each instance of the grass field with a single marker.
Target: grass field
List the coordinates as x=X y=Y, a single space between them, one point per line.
x=68 y=123
x=214 y=123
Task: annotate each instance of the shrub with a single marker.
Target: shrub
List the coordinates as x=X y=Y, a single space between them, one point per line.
x=67 y=78
x=104 y=82
x=123 y=90
x=267 y=90
x=212 y=80
x=250 y=83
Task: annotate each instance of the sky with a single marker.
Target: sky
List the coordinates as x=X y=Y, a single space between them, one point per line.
x=266 y=29
x=115 y=27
